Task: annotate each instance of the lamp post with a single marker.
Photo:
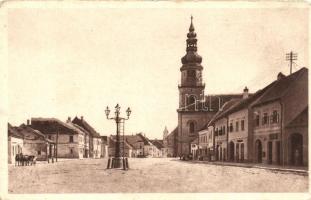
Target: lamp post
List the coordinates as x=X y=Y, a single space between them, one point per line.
x=115 y=162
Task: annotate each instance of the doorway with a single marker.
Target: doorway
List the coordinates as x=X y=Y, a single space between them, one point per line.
x=270 y=152
x=231 y=151
x=278 y=152
x=296 y=150
x=237 y=152
x=259 y=151
x=242 y=152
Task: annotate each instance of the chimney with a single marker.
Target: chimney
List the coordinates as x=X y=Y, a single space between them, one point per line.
x=245 y=93
x=280 y=76
x=28 y=122
x=81 y=118
x=69 y=119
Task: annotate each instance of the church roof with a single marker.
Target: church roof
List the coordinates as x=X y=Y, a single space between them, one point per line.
x=213 y=102
x=222 y=112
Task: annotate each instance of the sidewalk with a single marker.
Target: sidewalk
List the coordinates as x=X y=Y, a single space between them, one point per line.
x=290 y=169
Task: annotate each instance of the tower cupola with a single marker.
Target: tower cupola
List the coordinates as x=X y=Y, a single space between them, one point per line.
x=191 y=56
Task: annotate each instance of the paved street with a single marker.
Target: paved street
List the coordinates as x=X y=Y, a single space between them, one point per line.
x=149 y=175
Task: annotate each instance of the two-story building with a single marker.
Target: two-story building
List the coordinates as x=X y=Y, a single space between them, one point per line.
x=94 y=145
x=280 y=115
x=240 y=127
x=159 y=150
x=220 y=125
x=203 y=144
x=68 y=138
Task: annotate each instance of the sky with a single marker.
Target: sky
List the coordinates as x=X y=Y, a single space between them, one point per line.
x=76 y=61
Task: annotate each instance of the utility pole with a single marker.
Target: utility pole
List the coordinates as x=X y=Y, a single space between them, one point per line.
x=291 y=57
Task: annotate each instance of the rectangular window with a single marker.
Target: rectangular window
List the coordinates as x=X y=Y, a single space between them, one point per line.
x=275 y=117
x=242 y=125
x=257 y=120
x=50 y=137
x=237 y=126
x=224 y=130
x=265 y=119
x=71 y=138
x=39 y=153
x=216 y=132
x=231 y=127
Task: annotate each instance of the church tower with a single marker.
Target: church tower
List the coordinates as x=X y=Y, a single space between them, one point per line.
x=191 y=89
x=192 y=114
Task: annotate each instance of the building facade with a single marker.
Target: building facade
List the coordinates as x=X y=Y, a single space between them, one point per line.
x=280 y=115
x=170 y=144
x=69 y=139
x=203 y=144
x=15 y=143
x=94 y=146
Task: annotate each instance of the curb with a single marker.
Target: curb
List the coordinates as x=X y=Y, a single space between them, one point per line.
x=296 y=171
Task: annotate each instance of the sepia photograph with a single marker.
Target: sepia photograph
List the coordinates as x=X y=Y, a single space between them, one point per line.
x=155 y=98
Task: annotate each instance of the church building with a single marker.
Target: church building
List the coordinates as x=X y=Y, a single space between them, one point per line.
x=195 y=109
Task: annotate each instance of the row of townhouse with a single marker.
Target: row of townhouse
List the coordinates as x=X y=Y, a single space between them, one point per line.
x=270 y=126
x=51 y=137
x=137 y=145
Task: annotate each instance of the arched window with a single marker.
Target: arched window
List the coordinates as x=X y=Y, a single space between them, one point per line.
x=191 y=127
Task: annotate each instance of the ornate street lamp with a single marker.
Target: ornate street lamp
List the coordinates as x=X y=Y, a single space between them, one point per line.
x=115 y=162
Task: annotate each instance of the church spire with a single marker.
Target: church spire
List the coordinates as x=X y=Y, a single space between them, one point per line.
x=191 y=28
x=191 y=56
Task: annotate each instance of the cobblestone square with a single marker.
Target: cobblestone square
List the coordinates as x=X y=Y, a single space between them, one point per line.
x=149 y=175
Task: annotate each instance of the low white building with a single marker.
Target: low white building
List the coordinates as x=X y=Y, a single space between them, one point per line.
x=15 y=144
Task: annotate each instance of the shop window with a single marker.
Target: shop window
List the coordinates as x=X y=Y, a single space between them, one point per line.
x=242 y=125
